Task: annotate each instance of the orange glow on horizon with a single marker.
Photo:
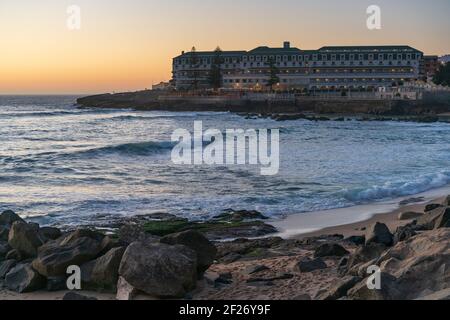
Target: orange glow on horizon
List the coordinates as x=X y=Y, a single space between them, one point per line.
x=124 y=46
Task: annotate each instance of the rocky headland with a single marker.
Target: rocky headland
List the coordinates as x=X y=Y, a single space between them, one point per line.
x=432 y=108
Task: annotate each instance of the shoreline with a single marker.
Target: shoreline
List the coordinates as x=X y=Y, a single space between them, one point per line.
x=351 y=220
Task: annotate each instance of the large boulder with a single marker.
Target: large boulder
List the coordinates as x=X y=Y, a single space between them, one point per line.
x=330 y=250
x=206 y=251
x=8 y=217
x=379 y=233
x=23 y=278
x=75 y=249
x=160 y=270
x=103 y=272
x=25 y=238
x=420 y=264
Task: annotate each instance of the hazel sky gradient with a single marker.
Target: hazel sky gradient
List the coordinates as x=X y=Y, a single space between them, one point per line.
x=129 y=45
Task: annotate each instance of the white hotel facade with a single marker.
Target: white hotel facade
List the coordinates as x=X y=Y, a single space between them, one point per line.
x=328 y=68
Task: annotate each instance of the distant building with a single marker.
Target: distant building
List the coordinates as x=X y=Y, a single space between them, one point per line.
x=328 y=68
x=429 y=67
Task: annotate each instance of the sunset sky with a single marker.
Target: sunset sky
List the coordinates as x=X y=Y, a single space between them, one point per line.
x=129 y=45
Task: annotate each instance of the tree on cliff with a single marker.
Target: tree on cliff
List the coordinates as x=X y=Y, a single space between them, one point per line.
x=442 y=77
x=215 y=74
x=273 y=78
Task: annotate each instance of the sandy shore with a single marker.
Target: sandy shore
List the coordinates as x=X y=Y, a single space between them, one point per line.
x=352 y=221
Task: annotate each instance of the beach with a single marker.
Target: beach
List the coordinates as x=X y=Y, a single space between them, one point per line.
x=267 y=268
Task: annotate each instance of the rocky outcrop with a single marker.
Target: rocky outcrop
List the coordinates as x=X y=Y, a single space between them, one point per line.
x=160 y=270
x=205 y=250
x=379 y=233
x=23 y=278
x=75 y=249
x=420 y=263
x=25 y=238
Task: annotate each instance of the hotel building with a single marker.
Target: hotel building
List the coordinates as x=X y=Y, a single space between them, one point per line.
x=328 y=68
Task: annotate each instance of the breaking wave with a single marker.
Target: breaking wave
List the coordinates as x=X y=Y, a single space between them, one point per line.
x=393 y=189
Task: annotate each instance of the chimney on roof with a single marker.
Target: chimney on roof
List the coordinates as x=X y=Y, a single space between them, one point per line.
x=286 y=45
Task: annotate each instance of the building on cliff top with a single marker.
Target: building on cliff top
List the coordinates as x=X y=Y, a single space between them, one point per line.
x=328 y=68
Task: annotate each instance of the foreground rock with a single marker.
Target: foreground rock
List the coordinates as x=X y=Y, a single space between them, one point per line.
x=205 y=250
x=103 y=273
x=23 y=278
x=75 y=249
x=420 y=264
x=25 y=238
x=160 y=270
x=379 y=233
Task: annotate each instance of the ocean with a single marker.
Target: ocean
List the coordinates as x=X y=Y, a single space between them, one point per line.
x=60 y=165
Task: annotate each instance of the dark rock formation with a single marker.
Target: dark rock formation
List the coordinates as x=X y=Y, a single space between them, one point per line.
x=25 y=238
x=206 y=251
x=309 y=265
x=160 y=270
x=330 y=250
x=103 y=272
x=379 y=233
x=75 y=249
x=23 y=278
